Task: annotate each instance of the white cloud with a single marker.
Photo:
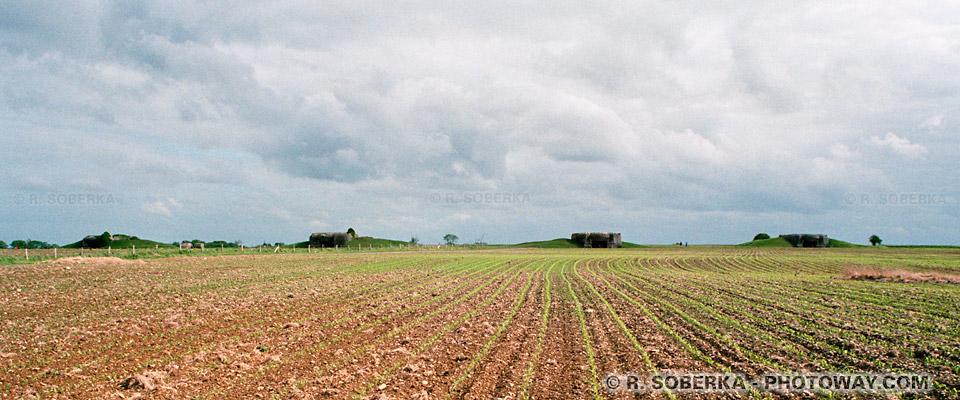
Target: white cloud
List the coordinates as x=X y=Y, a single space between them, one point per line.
x=161 y=207
x=933 y=122
x=899 y=145
x=840 y=150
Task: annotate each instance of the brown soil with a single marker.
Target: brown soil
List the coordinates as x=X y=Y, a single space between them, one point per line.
x=408 y=326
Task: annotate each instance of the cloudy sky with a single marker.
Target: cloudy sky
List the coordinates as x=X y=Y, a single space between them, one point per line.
x=696 y=121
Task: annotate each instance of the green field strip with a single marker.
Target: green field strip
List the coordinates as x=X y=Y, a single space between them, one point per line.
x=496 y=336
x=447 y=328
x=748 y=265
x=143 y=349
x=160 y=334
x=482 y=268
x=772 y=330
x=478 y=266
x=237 y=327
x=544 y=321
x=707 y=305
x=894 y=307
x=155 y=297
x=594 y=380
x=718 y=337
x=891 y=315
x=804 y=330
x=497 y=274
x=663 y=326
x=616 y=317
x=867 y=331
x=878 y=294
x=650 y=368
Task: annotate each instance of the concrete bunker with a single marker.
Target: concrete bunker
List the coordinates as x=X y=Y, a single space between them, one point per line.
x=807 y=239
x=597 y=240
x=330 y=239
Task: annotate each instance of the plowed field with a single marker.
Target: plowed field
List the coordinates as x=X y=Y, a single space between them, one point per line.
x=544 y=324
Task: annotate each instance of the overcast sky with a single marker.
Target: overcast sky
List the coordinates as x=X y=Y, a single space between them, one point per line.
x=697 y=121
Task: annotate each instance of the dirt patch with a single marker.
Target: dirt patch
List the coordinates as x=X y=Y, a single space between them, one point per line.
x=897 y=275
x=91 y=260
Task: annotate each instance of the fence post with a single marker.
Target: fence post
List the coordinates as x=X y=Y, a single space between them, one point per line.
x=26 y=253
x=109 y=250
x=54 y=253
x=134 y=249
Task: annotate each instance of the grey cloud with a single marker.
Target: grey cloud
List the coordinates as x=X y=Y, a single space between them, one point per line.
x=683 y=113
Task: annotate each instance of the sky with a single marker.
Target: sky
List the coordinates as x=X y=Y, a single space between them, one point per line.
x=695 y=121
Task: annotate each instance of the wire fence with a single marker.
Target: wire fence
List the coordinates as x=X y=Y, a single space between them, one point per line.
x=17 y=256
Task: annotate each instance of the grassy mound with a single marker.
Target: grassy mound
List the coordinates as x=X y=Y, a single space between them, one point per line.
x=364 y=242
x=772 y=242
x=781 y=242
x=127 y=244
x=560 y=243
x=563 y=243
x=842 y=244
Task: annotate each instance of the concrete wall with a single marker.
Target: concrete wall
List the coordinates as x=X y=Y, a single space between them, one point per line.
x=597 y=239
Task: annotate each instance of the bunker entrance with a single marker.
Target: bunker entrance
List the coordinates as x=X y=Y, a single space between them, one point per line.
x=599 y=244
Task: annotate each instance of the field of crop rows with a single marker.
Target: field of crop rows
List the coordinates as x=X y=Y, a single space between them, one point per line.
x=472 y=324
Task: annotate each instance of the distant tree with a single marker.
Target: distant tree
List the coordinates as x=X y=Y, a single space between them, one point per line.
x=36 y=244
x=761 y=236
x=875 y=240
x=18 y=244
x=3 y=244
x=352 y=232
x=222 y=243
x=281 y=244
x=104 y=239
x=413 y=240
x=450 y=238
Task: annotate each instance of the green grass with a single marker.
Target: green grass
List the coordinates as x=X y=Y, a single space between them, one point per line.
x=772 y=242
x=921 y=246
x=841 y=244
x=560 y=243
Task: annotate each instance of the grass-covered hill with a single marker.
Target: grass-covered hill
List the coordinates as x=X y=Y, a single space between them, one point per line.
x=563 y=243
x=781 y=242
x=364 y=242
x=126 y=242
